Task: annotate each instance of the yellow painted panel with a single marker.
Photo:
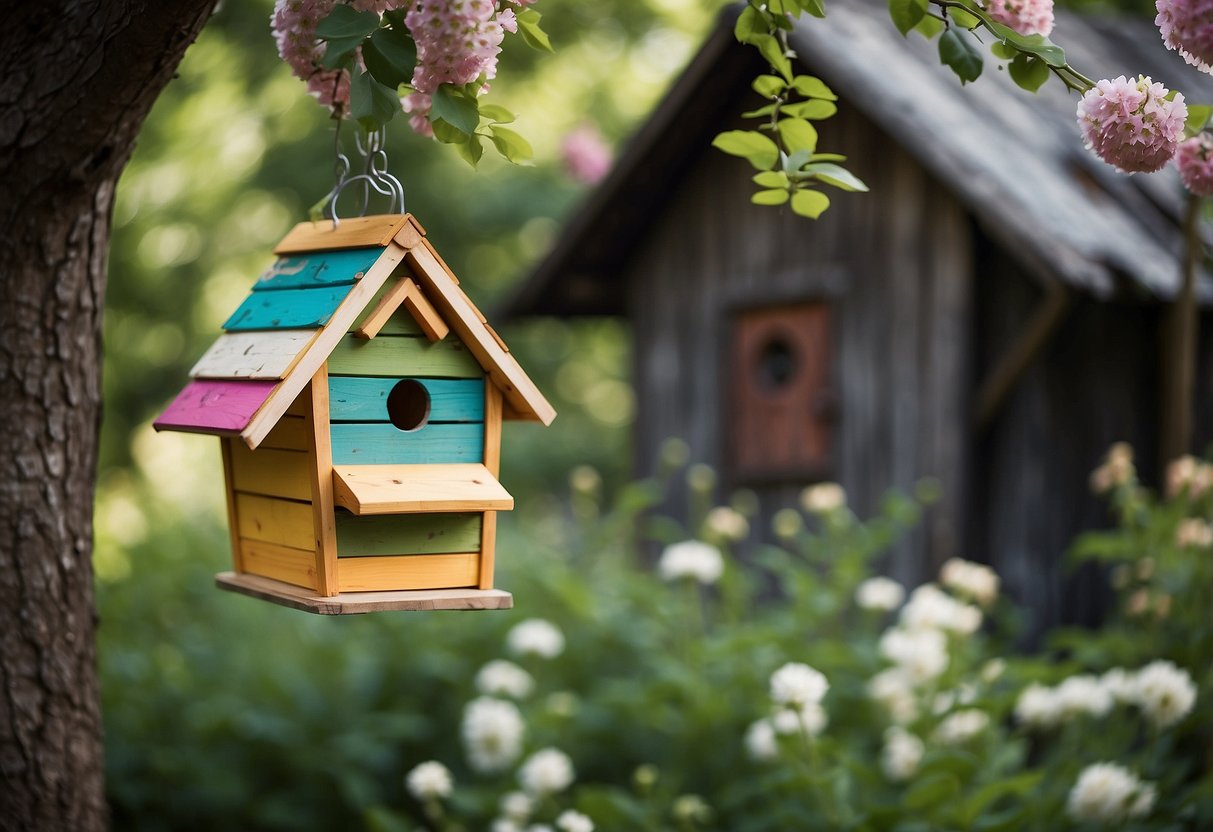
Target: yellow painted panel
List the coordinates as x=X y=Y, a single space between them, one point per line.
x=408 y=572
x=285 y=522
x=271 y=472
x=294 y=566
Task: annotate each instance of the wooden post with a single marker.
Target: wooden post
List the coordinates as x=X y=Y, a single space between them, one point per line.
x=492 y=461
x=1179 y=350
x=233 y=519
x=320 y=465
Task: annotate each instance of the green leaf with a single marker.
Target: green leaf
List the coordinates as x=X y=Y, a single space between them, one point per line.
x=963 y=19
x=814 y=110
x=390 y=56
x=344 y=22
x=773 y=52
x=1004 y=51
x=813 y=7
x=906 y=14
x=797 y=134
x=957 y=51
x=761 y=152
x=930 y=790
x=528 y=27
x=448 y=134
x=828 y=157
x=811 y=87
x=455 y=108
x=1029 y=72
x=511 y=145
x=1037 y=45
x=811 y=204
x=770 y=197
x=771 y=179
x=471 y=150
x=838 y=177
x=929 y=27
x=1198 y=117
x=794 y=161
x=760 y=112
x=769 y=85
x=371 y=103
x=496 y=113
x=339 y=51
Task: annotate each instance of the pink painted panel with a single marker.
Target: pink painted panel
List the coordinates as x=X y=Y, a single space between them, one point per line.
x=211 y=406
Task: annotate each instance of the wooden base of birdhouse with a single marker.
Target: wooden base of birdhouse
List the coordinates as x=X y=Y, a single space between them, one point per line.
x=353 y=603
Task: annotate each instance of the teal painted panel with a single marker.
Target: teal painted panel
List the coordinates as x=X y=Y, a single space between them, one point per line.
x=324 y=268
x=381 y=443
x=288 y=309
x=353 y=399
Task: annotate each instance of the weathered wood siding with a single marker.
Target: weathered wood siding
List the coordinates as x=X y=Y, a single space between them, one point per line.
x=897 y=265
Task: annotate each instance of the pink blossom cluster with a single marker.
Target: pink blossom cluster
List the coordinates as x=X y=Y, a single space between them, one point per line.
x=1132 y=125
x=1028 y=17
x=1187 y=27
x=1195 y=162
x=586 y=155
x=294 y=26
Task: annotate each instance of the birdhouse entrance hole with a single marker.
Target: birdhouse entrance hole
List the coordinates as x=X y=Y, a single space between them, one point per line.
x=776 y=363
x=408 y=405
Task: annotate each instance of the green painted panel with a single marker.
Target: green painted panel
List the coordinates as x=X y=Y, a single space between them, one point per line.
x=382 y=443
x=398 y=356
x=407 y=534
x=355 y=399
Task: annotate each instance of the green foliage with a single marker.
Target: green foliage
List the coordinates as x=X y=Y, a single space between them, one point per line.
x=958 y=52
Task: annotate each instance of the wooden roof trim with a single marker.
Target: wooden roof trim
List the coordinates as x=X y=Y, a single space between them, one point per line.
x=356 y=232
x=322 y=346
x=454 y=306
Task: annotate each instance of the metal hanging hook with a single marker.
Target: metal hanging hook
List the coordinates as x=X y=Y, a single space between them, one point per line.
x=373 y=175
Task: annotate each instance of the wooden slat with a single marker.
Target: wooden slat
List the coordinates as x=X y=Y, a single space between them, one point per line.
x=492 y=429
x=358 y=603
x=387 y=303
x=254 y=355
x=488 y=549
x=400 y=489
x=355 y=232
x=229 y=488
x=271 y=472
x=409 y=572
x=382 y=443
x=207 y=406
x=356 y=399
x=401 y=323
x=402 y=355
x=453 y=305
x=282 y=563
x=320 y=466
x=291 y=386
x=425 y=314
x=407 y=534
x=287 y=309
x=305 y=271
x=290 y=434
x=272 y=520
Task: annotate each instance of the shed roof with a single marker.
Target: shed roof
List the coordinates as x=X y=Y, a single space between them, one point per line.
x=1014 y=159
x=302 y=307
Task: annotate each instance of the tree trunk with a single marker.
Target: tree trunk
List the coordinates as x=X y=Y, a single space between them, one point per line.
x=76 y=82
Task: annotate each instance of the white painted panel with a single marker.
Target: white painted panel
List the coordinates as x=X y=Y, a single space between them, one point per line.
x=261 y=355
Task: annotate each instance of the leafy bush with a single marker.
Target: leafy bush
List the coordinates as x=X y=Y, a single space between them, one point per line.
x=793 y=692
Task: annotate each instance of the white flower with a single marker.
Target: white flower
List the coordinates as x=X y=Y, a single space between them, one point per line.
x=1038 y=706
x=691 y=559
x=894 y=689
x=1120 y=685
x=798 y=684
x=1165 y=693
x=901 y=754
x=760 y=741
x=961 y=726
x=517 y=806
x=429 y=780
x=546 y=772
x=881 y=594
x=1194 y=533
x=823 y=498
x=570 y=821
x=922 y=654
x=973 y=580
x=502 y=678
x=1108 y=793
x=727 y=523
x=505 y=825
x=535 y=637
x=992 y=670
x=930 y=608
x=492 y=733
x=1083 y=694
x=809 y=719
x=1117 y=469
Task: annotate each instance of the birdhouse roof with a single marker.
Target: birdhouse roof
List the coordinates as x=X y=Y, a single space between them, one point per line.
x=314 y=294
x=1014 y=159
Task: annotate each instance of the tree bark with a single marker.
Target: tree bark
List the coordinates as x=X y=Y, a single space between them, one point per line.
x=76 y=81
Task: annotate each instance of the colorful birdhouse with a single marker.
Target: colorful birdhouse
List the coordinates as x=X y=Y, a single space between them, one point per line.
x=358 y=395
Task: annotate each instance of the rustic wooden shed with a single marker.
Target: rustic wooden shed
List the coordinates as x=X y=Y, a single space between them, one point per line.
x=991 y=315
